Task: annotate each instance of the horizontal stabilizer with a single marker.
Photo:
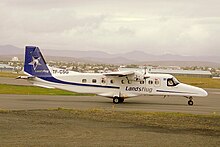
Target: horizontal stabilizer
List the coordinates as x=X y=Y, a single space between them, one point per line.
x=25 y=77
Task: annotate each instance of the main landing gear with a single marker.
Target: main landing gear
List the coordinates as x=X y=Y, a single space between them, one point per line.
x=117 y=100
x=190 y=102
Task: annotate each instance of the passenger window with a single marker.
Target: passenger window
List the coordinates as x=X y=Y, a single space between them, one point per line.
x=141 y=82
x=157 y=82
x=103 y=81
x=122 y=81
x=83 y=80
x=111 y=81
x=93 y=80
x=150 y=82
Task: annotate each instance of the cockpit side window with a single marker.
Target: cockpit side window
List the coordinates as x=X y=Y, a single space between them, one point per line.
x=172 y=82
x=176 y=82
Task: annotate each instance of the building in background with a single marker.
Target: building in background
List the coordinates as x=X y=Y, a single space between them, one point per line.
x=189 y=73
x=174 y=72
x=15 y=59
x=6 y=68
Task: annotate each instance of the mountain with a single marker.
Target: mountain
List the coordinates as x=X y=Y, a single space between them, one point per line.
x=10 y=50
x=114 y=60
x=78 y=54
x=134 y=57
x=182 y=63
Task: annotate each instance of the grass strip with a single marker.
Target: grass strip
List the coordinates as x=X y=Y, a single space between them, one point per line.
x=200 y=82
x=10 y=75
x=167 y=122
x=33 y=90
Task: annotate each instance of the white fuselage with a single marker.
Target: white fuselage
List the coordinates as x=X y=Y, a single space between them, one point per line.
x=116 y=86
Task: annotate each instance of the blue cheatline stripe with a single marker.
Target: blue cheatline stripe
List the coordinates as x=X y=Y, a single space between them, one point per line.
x=54 y=80
x=174 y=92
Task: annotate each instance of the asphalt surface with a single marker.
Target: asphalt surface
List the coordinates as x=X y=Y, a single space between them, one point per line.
x=202 y=105
x=13 y=81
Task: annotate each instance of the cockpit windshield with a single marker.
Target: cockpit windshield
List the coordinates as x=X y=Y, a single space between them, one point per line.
x=172 y=81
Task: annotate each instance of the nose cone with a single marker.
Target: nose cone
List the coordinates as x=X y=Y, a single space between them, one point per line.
x=193 y=91
x=203 y=92
x=199 y=91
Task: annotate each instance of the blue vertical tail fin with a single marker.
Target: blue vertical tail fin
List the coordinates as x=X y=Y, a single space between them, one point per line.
x=35 y=64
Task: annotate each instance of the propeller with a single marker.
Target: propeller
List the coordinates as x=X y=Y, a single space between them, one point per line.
x=141 y=76
x=145 y=74
x=145 y=70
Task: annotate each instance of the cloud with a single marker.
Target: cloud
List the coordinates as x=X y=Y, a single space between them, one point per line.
x=178 y=27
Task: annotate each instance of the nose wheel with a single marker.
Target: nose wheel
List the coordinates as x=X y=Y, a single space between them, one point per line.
x=190 y=102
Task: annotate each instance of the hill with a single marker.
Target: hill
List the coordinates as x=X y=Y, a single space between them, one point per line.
x=134 y=57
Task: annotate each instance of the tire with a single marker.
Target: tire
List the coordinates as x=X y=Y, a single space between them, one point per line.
x=116 y=100
x=190 y=102
x=121 y=100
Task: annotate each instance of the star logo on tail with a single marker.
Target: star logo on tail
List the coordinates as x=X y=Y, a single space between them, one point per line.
x=35 y=62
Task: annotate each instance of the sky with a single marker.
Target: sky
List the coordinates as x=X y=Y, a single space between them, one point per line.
x=182 y=27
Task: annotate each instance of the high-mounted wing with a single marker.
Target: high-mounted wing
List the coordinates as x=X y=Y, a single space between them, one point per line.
x=119 y=73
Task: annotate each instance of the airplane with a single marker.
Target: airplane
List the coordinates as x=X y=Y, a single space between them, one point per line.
x=118 y=85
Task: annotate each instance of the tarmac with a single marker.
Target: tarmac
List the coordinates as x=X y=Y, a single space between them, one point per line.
x=202 y=105
x=13 y=81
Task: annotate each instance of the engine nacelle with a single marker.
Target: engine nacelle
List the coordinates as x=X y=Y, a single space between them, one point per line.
x=138 y=76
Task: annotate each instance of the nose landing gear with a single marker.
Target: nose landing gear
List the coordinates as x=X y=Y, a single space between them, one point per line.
x=190 y=102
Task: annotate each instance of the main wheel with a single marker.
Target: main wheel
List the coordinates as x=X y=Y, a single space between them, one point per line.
x=116 y=100
x=190 y=102
x=121 y=100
